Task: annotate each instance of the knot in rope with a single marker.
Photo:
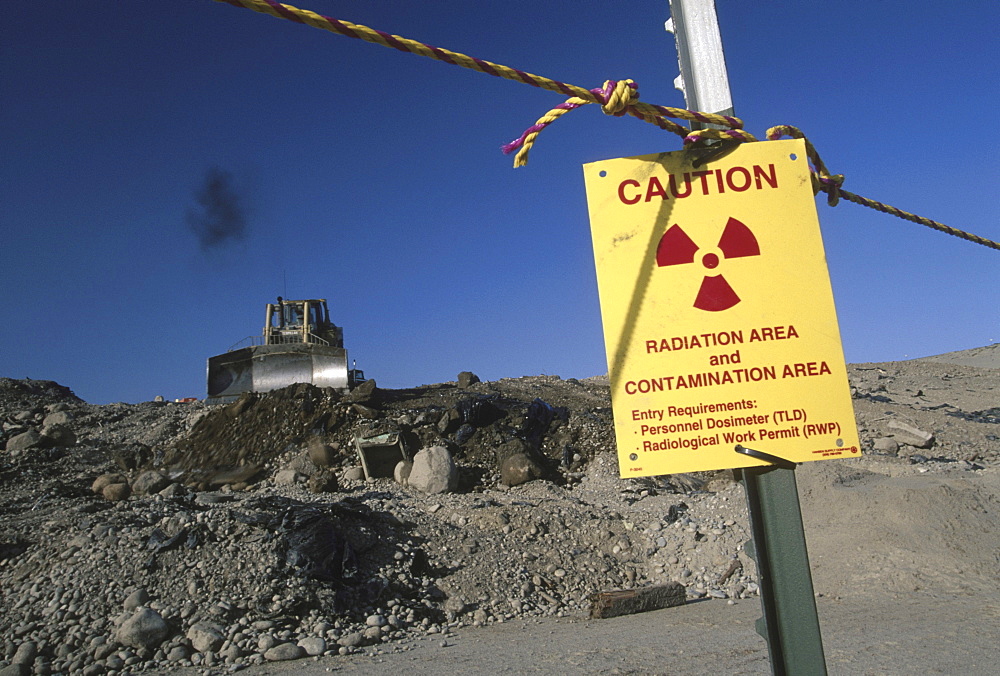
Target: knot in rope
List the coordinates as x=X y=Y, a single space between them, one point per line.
x=832 y=186
x=616 y=96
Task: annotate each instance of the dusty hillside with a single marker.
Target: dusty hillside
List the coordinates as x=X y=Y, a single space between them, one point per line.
x=239 y=549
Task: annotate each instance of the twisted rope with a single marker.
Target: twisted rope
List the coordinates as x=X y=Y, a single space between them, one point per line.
x=831 y=185
x=615 y=98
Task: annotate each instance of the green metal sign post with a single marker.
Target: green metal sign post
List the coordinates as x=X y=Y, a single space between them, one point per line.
x=790 y=623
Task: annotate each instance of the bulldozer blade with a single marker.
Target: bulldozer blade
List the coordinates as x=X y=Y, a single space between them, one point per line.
x=270 y=367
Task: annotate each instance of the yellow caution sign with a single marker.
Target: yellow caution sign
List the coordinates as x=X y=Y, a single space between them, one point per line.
x=718 y=314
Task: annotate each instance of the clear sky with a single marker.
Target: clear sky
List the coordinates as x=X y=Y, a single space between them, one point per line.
x=374 y=179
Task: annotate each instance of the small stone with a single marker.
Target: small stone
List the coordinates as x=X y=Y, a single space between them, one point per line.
x=354 y=474
x=373 y=634
x=375 y=621
x=283 y=652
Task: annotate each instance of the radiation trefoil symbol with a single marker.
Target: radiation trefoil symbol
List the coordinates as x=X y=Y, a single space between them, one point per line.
x=715 y=294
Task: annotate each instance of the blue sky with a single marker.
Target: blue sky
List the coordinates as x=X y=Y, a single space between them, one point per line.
x=374 y=178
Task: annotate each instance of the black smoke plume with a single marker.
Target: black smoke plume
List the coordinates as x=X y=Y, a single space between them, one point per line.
x=220 y=217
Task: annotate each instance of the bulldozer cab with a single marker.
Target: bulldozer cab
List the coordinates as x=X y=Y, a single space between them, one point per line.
x=301 y=321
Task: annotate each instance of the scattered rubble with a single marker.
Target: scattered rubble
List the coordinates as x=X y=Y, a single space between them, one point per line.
x=162 y=534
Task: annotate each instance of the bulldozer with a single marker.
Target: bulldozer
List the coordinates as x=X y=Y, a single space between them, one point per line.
x=299 y=344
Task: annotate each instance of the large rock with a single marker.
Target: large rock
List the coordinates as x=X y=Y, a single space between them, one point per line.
x=323 y=481
x=206 y=636
x=24 y=441
x=58 y=435
x=401 y=473
x=106 y=480
x=909 y=435
x=150 y=482
x=284 y=651
x=322 y=454
x=363 y=393
x=467 y=379
x=116 y=492
x=145 y=629
x=519 y=469
x=58 y=418
x=434 y=471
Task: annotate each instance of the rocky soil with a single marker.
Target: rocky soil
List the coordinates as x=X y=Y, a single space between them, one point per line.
x=157 y=536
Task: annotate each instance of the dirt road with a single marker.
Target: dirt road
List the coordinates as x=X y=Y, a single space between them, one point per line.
x=864 y=635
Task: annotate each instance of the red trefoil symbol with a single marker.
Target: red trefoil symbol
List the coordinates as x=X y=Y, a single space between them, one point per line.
x=715 y=294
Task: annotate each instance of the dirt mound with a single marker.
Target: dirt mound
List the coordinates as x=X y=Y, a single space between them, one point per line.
x=562 y=423
x=28 y=392
x=881 y=525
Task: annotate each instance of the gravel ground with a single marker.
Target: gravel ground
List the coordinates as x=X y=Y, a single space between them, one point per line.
x=217 y=544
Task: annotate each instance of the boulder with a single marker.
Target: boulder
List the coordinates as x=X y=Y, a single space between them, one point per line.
x=106 y=480
x=303 y=464
x=323 y=481
x=206 y=636
x=150 y=482
x=518 y=469
x=354 y=474
x=283 y=652
x=136 y=599
x=145 y=629
x=402 y=471
x=909 y=435
x=886 y=445
x=313 y=645
x=434 y=471
x=363 y=393
x=58 y=435
x=24 y=441
x=57 y=418
x=321 y=454
x=116 y=492
x=287 y=477
x=467 y=378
